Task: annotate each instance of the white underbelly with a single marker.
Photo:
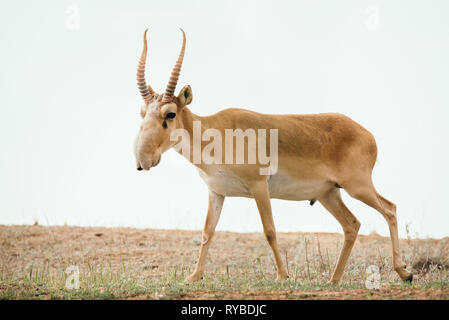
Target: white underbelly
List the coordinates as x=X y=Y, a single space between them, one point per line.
x=225 y=183
x=284 y=187
x=280 y=186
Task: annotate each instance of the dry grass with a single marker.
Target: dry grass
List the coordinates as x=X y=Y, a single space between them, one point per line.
x=125 y=263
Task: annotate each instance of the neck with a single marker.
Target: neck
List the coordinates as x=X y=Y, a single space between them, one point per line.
x=188 y=118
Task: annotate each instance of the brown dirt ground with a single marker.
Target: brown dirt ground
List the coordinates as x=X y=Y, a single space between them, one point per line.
x=152 y=252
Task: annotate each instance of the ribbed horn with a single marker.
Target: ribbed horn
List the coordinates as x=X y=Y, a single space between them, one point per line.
x=146 y=91
x=171 y=86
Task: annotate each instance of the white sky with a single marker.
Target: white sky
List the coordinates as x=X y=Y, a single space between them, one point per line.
x=69 y=105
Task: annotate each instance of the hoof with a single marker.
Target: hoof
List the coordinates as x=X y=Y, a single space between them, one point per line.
x=333 y=282
x=282 y=277
x=193 y=278
x=409 y=278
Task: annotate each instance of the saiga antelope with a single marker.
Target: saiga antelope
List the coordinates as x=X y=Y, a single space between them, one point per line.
x=317 y=155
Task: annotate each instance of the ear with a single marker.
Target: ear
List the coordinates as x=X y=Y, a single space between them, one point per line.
x=185 y=96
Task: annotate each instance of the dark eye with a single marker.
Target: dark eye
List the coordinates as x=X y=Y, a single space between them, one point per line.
x=170 y=115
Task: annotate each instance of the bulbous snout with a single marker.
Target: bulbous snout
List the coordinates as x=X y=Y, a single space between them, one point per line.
x=147 y=164
x=147 y=148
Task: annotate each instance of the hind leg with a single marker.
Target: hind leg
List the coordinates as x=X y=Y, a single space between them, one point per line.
x=333 y=203
x=365 y=192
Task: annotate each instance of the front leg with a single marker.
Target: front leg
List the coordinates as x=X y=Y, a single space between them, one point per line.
x=213 y=215
x=262 y=197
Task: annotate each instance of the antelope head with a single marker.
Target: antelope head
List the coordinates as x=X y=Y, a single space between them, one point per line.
x=160 y=112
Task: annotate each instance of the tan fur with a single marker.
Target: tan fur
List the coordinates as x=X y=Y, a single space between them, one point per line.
x=317 y=154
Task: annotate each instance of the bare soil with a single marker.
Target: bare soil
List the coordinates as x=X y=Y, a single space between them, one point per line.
x=158 y=260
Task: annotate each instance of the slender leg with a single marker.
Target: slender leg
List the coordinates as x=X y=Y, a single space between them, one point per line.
x=213 y=215
x=262 y=197
x=334 y=204
x=389 y=212
x=366 y=193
